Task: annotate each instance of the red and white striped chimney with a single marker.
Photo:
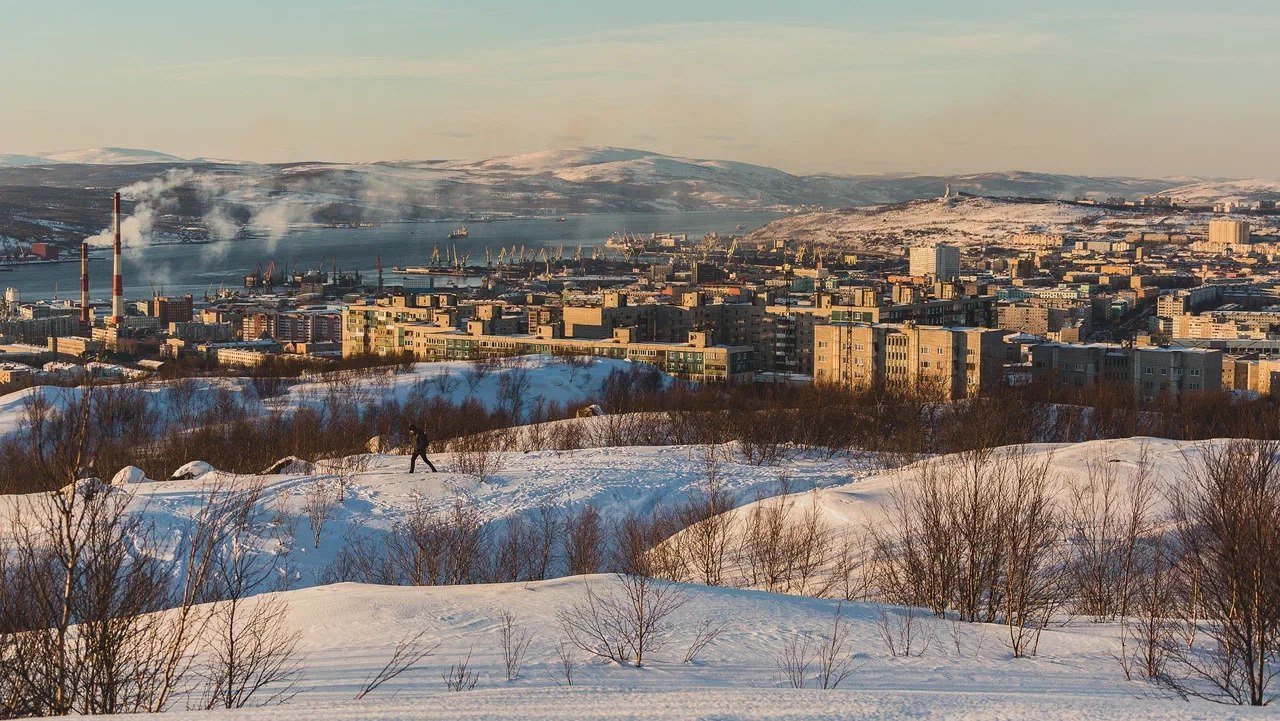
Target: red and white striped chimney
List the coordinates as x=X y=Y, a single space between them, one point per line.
x=117 y=288
x=84 y=285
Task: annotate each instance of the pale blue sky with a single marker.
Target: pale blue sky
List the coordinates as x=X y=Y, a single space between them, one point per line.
x=1134 y=87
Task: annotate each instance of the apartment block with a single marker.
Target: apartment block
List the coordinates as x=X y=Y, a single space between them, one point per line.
x=1256 y=375
x=695 y=359
x=1227 y=233
x=937 y=262
x=1150 y=372
x=951 y=363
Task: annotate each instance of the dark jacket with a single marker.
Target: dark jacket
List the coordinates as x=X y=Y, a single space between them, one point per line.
x=420 y=439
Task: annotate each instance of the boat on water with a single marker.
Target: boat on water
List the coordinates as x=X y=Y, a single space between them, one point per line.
x=459 y=232
x=427 y=270
x=560 y=219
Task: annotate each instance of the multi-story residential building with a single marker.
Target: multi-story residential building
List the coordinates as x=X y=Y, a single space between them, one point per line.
x=937 y=262
x=171 y=310
x=39 y=328
x=1151 y=372
x=378 y=327
x=1227 y=233
x=1041 y=319
x=950 y=363
x=695 y=359
x=1213 y=326
x=1259 y=375
x=301 y=326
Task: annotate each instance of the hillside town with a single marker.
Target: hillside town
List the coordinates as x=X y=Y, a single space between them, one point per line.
x=1193 y=306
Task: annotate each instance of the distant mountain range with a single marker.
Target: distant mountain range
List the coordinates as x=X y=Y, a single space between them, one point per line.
x=56 y=194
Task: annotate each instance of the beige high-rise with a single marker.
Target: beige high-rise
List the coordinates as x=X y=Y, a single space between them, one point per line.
x=948 y=363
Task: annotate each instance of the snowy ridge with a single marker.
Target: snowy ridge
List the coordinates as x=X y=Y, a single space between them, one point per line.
x=963 y=220
x=109 y=156
x=1209 y=192
x=857 y=509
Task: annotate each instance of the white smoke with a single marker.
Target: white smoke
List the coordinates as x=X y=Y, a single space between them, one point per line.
x=151 y=198
x=276 y=218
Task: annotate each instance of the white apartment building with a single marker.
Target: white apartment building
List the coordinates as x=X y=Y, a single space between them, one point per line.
x=939 y=261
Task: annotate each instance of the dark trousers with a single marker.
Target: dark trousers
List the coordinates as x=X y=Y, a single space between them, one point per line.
x=420 y=453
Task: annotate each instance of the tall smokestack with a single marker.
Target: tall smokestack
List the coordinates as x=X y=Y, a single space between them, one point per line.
x=117 y=287
x=84 y=285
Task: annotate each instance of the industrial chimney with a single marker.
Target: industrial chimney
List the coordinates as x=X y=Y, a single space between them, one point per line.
x=117 y=288
x=84 y=285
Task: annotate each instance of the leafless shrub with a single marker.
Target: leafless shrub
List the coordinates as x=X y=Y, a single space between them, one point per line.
x=475 y=374
x=904 y=632
x=1031 y=534
x=566 y=664
x=1227 y=516
x=362 y=559
x=477 y=455
x=319 y=504
x=784 y=553
x=513 y=387
x=794 y=662
x=583 y=541
x=250 y=657
x=515 y=642
x=639 y=547
x=77 y=632
x=706 y=633
x=345 y=470
x=834 y=659
x=460 y=676
x=1151 y=631
x=409 y=652
x=444 y=382
x=1106 y=519
x=434 y=549
x=705 y=544
x=625 y=623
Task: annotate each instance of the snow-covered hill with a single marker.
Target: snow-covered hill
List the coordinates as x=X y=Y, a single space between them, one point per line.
x=960 y=220
x=348 y=632
x=105 y=156
x=1209 y=192
x=860 y=508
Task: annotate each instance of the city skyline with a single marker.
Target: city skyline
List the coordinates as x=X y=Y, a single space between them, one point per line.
x=812 y=87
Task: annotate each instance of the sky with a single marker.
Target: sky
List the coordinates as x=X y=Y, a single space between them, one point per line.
x=1125 y=87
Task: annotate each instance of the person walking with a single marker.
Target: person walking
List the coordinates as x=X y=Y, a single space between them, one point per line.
x=420 y=442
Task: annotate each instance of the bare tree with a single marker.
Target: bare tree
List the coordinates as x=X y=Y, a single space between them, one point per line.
x=706 y=541
x=795 y=661
x=251 y=658
x=1031 y=588
x=410 y=651
x=834 y=660
x=460 y=676
x=1107 y=518
x=565 y=662
x=626 y=623
x=477 y=454
x=1227 y=516
x=583 y=541
x=903 y=632
x=706 y=633
x=515 y=642
x=319 y=504
x=446 y=548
